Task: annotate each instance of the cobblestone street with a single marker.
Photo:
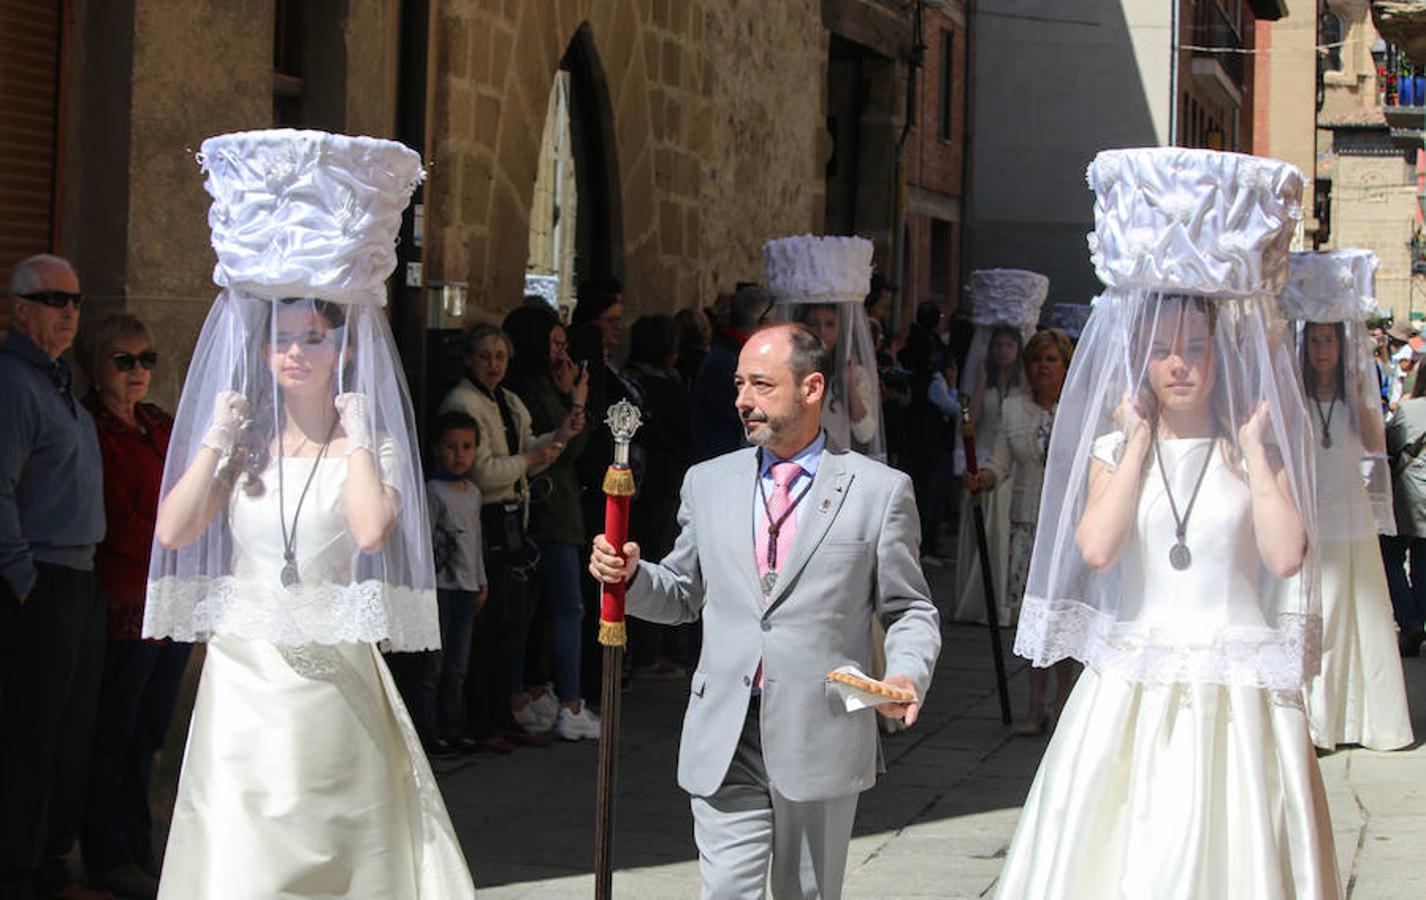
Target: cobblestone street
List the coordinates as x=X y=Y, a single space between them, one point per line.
x=937 y=823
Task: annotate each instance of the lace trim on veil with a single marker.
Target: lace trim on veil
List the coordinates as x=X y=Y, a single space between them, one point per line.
x=194 y=609
x=1281 y=657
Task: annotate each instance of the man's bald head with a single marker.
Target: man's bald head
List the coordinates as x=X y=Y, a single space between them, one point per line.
x=805 y=352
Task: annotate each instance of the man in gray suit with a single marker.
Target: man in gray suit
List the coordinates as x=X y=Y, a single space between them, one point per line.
x=787 y=550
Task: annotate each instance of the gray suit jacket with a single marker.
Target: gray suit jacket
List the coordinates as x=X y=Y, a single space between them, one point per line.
x=855 y=552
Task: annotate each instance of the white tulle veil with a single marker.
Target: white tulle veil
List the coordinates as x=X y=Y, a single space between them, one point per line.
x=1192 y=248
x=1334 y=293
x=304 y=225
x=823 y=282
x=1001 y=300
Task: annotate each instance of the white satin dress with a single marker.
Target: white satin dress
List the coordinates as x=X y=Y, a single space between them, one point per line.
x=303 y=776
x=970 y=595
x=1360 y=696
x=1190 y=791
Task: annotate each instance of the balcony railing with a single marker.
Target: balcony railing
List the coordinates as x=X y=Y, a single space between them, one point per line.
x=1213 y=30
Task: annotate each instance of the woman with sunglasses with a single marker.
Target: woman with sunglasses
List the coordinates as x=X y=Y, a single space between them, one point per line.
x=141 y=678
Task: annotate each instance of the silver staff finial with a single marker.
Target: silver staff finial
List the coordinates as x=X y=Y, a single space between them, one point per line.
x=623 y=420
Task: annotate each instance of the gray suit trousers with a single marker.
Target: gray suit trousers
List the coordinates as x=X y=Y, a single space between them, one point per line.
x=746 y=824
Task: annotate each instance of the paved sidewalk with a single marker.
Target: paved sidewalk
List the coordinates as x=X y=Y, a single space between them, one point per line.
x=937 y=824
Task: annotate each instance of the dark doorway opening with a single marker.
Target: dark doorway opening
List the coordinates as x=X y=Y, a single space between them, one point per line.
x=599 y=229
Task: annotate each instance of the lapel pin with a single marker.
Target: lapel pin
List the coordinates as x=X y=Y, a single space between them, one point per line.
x=826 y=504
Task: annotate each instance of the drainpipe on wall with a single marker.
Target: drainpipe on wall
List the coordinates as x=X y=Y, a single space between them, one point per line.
x=1174 y=10
x=898 y=214
x=967 y=147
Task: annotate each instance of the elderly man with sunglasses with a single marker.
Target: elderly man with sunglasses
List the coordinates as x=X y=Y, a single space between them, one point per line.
x=51 y=613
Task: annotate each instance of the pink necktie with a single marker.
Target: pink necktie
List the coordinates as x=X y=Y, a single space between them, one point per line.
x=783 y=474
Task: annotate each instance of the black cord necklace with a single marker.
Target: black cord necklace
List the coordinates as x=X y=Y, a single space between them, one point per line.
x=774 y=528
x=1326 y=420
x=1179 y=557
x=290 y=576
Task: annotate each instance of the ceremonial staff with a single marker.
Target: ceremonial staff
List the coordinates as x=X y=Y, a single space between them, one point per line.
x=992 y=614
x=623 y=420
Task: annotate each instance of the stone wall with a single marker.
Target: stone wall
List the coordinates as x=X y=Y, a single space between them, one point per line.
x=151 y=79
x=1374 y=206
x=715 y=109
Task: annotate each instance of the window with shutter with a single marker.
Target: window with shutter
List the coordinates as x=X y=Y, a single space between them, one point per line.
x=31 y=45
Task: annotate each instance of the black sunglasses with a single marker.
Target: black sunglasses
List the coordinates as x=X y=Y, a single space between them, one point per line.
x=124 y=362
x=54 y=299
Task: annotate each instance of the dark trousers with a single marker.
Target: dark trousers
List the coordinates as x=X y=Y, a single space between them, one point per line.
x=931 y=470
x=488 y=687
x=1408 y=595
x=51 y=661
x=136 y=698
x=434 y=682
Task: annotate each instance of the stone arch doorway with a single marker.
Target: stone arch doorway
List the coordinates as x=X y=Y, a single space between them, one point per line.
x=578 y=135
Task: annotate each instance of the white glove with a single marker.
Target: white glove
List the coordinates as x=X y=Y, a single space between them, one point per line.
x=352 y=410
x=230 y=417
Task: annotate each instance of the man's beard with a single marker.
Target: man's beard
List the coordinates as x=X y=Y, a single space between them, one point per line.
x=771 y=429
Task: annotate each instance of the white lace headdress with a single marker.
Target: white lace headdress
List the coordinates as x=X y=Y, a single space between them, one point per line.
x=1192 y=246
x=999 y=299
x=823 y=282
x=304 y=226
x=1328 y=298
x=1070 y=318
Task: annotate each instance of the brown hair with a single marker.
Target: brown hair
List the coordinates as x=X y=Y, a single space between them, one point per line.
x=254 y=451
x=1309 y=374
x=1147 y=318
x=1048 y=337
x=992 y=368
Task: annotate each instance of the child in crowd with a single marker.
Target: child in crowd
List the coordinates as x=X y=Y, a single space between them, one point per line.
x=461 y=587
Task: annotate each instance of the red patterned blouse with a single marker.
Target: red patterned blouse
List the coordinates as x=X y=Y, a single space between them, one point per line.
x=133 y=474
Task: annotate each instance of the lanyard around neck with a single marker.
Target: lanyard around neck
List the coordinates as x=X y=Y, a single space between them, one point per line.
x=774 y=526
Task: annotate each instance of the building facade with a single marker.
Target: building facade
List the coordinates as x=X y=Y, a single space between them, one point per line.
x=659 y=142
x=936 y=158
x=1105 y=74
x=1370 y=126
x=1284 y=100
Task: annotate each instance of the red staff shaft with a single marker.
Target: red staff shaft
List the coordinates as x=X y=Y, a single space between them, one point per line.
x=613 y=635
x=611 y=605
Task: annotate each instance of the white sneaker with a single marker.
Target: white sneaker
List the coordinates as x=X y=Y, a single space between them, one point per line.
x=547 y=706
x=574 y=726
x=530 y=718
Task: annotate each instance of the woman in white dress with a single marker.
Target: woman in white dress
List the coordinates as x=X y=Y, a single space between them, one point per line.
x=1176 y=561
x=1005 y=305
x=1018 y=460
x=1001 y=383
x=1360 y=696
x=291 y=537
